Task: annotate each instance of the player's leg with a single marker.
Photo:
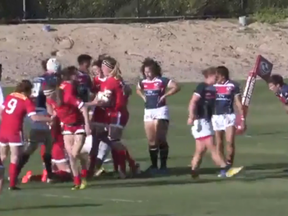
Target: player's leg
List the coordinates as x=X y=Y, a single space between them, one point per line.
x=218 y=123
x=29 y=149
x=150 y=131
x=16 y=149
x=2 y=169
x=69 y=142
x=162 y=126
x=230 y=133
x=196 y=160
x=47 y=157
x=79 y=140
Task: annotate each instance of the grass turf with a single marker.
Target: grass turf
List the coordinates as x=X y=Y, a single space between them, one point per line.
x=260 y=190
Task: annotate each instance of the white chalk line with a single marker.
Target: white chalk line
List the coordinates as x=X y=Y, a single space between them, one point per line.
x=90 y=198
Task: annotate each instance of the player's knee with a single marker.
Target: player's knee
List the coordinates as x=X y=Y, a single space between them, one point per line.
x=102 y=150
x=14 y=158
x=3 y=157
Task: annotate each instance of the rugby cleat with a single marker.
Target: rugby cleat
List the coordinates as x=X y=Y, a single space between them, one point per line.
x=14 y=188
x=75 y=187
x=83 y=184
x=26 y=178
x=234 y=171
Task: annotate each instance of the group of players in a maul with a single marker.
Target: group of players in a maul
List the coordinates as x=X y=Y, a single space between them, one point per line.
x=78 y=114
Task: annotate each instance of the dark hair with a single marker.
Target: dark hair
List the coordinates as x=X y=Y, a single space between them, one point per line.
x=223 y=71
x=98 y=62
x=67 y=72
x=276 y=79
x=84 y=58
x=209 y=71
x=44 y=64
x=153 y=65
x=24 y=86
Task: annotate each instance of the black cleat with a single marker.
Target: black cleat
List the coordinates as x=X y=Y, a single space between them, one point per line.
x=14 y=188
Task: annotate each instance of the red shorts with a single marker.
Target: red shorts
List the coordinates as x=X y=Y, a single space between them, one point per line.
x=58 y=153
x=99 y=116
x=117 y=119
x=69 y=130
x=11 y=139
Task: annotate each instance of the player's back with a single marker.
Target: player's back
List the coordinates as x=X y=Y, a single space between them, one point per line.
x=67 y=111
x=38 y=85
x=16 y=107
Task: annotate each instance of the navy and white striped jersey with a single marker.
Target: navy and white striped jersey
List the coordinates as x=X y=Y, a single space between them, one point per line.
x=226 y=92
x=283 y=94
x=154 y=90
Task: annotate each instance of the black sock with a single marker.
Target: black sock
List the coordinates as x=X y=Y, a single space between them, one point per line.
x=47 y=159
x=153 y=151
x=164 y=151
x=24 y=158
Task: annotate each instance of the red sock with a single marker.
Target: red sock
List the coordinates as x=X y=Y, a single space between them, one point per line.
x=122 y=160
x=13 y=174
x=130 y=160
x=92 y=165
x=84 y=173
x=77 y=180
x=115 y=159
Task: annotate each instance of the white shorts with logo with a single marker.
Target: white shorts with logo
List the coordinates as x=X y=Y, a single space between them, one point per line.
x=34 y=125
x=221 y=122
x=202 y=128
x=157 y=113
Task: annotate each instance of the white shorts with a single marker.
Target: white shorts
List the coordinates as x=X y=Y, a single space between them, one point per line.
x=86 y=149
x=202 y=128
x=221 y=122
x=157 y=113
x=33 y=125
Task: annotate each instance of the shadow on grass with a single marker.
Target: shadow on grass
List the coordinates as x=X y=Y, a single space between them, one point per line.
x=49 y=207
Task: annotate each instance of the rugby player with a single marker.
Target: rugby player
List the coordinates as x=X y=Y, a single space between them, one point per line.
x=280 y=88
x=154 y=89
x=73 y=115
x=15 y=107
x=224 y=117
x=117 y=115
x=60 y=165
x=39 y=133
x=201 y=108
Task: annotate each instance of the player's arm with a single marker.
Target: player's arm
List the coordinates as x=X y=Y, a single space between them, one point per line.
x=238 y=102
x=198 y=93
x=127 y=90
x=31 y=112
x=139 y=91
x=172 y=87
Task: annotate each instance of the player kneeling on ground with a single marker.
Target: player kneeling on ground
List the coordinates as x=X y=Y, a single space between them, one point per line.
x=15 y=107
x=201 y=108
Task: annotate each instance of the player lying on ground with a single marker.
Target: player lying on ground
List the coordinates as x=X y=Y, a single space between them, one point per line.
x=74 y=118
x=37 y=132
x=224 y=117
x=201 y=109
x=111 y=96
x=15 y=107
x=154 y=89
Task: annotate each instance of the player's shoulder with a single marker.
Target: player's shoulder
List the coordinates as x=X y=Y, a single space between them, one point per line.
x=234 y=83
x=284 y=89
x=163 y=79
x=17 y=96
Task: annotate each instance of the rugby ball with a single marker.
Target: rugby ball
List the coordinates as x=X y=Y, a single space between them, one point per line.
x=104 y=96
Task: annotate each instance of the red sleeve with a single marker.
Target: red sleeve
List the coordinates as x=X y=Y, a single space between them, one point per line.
x=30 y=107
x=70 y=97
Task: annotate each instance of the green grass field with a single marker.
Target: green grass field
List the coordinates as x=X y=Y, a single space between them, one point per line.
x=262 y=189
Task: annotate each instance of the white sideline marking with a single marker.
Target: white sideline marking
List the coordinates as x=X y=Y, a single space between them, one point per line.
x=89 y=198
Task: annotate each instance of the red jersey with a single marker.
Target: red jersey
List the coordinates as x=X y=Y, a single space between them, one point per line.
x=97 y=81
x=15 y=107
x=69 y=112
x=115 y=88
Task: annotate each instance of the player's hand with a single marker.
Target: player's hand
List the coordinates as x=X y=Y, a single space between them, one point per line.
x=161 y=99
x=190 y=120
x=88 y=129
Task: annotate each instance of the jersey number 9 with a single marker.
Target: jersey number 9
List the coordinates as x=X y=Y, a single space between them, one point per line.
x=11 y=106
